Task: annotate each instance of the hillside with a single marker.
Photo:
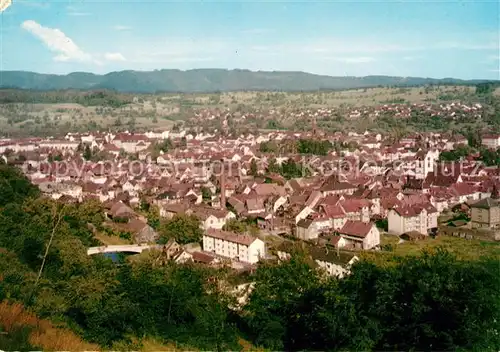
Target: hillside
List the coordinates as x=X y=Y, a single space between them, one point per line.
x=206 y=80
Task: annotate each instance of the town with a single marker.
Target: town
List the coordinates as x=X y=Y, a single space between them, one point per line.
x=229 y=213
x=255 y=195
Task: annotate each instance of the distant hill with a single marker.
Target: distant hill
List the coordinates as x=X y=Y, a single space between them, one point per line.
x=207 y=80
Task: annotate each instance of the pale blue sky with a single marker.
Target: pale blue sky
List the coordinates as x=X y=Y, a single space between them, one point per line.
x=405 y=38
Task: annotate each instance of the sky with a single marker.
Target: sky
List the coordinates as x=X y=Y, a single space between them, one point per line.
x=437 y=39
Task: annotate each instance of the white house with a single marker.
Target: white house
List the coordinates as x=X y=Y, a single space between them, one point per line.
x=245 y=248
x=59 y=144
x=360 y=234
x=491 y=141
x=334 y=263
x=213 y=218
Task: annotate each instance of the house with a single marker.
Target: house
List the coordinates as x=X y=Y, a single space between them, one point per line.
x=485 y=213
x=421 y=218
x=169 y=210
x=255 y=205
x=335 y=213
x=120 y=210
x=213 y=218
x=359 y=234
x=334 y=263
x=171 y=249
x=131 y=143
x=142 y=232
x=245 y=248
x=310 y=228
x=491 y=141
x=204 y=258
x=333 y=185
x=182 y=257
x=424 y=163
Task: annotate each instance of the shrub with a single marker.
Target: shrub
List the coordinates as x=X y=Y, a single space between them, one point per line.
x=24 y=328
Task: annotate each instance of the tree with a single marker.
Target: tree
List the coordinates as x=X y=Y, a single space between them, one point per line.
x=311 y=146
x=87 y=153
x=165 y=146
x=456 y=154
x=234 y=225
x=273 y=166
x=14 y=186
x=291 y=169
x=412 y=299
x=278 y=294
x=253 y=168
x=268 y=147
x=473 y=138
x=489 y=157
x=183 y=228
x=484 y=88
x=206 y=194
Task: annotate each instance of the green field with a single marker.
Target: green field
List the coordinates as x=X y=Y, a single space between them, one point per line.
x=44 y=113
x=462 y=248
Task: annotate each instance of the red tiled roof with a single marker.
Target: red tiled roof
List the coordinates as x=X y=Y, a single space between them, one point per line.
x=333 y=211
x=356 y=228
x=202 y=257
x=231 y=237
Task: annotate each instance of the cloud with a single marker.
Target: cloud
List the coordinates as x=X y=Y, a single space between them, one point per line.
x=114 y=57
x=121 y=28
x=65 y=48
x=57 y=42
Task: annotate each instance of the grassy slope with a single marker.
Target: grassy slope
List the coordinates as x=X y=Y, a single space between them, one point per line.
x=23 y=330
x=464 y=249
x=168 y=108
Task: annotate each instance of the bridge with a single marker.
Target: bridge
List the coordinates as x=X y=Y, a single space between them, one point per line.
x=132 y=248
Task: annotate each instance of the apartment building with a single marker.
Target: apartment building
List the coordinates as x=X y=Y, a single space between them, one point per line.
x=419 y=218
x=245 y=248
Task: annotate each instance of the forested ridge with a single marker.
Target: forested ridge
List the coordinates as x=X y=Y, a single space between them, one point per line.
x=429 y=302
x=208 y=80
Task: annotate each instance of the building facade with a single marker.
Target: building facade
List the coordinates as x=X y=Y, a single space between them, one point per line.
x=485 y=213
x=247 y=249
